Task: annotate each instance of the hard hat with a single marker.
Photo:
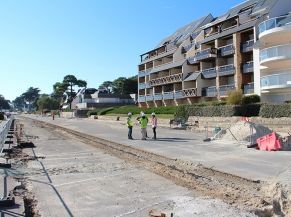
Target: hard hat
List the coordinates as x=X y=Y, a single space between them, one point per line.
x=142 y=114
x=129 y=114
x=153 y=114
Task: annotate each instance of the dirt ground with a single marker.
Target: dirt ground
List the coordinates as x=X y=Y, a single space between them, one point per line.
x=79 y=172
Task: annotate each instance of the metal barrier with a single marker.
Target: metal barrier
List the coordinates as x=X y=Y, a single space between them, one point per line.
x=4 y=128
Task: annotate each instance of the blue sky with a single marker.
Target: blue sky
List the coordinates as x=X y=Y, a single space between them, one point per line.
x=41 y=41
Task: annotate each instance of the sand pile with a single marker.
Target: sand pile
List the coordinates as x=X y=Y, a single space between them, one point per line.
x=245 y=131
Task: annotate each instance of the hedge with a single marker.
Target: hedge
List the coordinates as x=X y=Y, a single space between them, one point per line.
x=275 y=111
x=218 y=111
x=137 y=110
x=251 y=99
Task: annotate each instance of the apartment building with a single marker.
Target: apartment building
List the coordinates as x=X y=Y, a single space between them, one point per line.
x=273 y=59
x=209 y=57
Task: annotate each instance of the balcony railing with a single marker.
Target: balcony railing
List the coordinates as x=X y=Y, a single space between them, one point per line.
x=166 y=80
x=226 y=70
x=248 y=67
x=190 y=92
x=186 y=48
x=249 y=88
x=282 y=80
x=149 y=97
x=141 y=98
x=282 y=51
x=224 y=89
x=142 y=73
x=179 y=94
x=141 y=86
x=168 y=95
x=226 y=50
x=202 y=55
x=247 y=46
x=156 y=55
x=274 y=23
x=158 y=96
x=209 y=91
x=209 y=73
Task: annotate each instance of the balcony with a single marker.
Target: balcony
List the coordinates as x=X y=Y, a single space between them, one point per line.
x=249 y=88
x=186 y=48
x=149 y=97
x=248 y=67
x=179 y=94
x=209 y=73
x=203 y=55
x=209 y=91
x=166 y=80
x=141 y=74
x=276 y=81
x=168 y=95
x=141 y=86
x=247 y=46
x=169 y=50
x=276 y=57
x=275 y=30
x=224 y=89
x=226 y=50
x=141 y=98
x=226 y=70
x=158 y=96
x=190 y=92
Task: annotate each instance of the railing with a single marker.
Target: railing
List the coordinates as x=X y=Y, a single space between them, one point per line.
x=281 y=80
x=226 y=70
x=224 y=89
x=209 y=91
x=209 y=73
x=4 y=128
x=159 y=54
x=274 y=23
x=206 y=53
x=166 y=80
x=247 y=46
x=249 y=88
x=158 y=96
x=149 y=97
x=190 y=92
x=141 y=73
x=141 y=98
x=188 y=47
x=141 y=85
x=248 y=67
x=226 y=50
x=168 y=95
x=179 y=94
x=276 y=51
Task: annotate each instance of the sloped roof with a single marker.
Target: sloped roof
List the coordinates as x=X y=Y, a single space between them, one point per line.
x=251 y=7
x=183 y=33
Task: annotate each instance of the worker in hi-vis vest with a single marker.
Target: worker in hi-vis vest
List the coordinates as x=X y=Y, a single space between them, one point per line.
x=143 y=125
x=130 y=124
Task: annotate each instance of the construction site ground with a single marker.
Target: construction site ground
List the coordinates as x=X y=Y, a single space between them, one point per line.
x=86 y=167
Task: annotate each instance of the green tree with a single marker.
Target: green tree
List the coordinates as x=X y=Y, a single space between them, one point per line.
x=19 y=102
x=46 y=102
x=31 y=96
x=124 y=85
x=4 y=104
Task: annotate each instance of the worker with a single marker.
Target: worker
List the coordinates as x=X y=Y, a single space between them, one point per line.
x=129 y=125
x=154 y=125
x=143 y=125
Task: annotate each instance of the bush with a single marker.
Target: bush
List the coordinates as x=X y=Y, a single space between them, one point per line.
x=217 y=111
x=251 y=99
x=105 y=110
x=137 y=110
x=275 y=111
x=234 y=97
x=93 y=112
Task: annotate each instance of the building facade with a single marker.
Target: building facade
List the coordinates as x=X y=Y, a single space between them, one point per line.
x=212 y=56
